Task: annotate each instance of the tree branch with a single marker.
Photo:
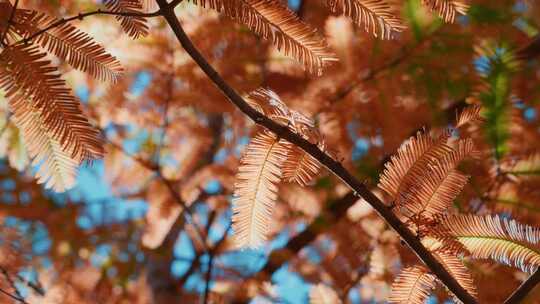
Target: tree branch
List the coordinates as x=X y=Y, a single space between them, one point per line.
x=175 y=3
x=519 y=294
x=334 y=166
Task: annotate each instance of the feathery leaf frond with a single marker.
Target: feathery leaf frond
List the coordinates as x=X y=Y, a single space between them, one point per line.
x=447 y=9
x=68 y=43
x=375 y=15
x=134 y=26
x=274 y=21
x=303 y=125
x=494 y=59
x=434 y=191
x=438 y=190
x=496 y=64
x=57 y=169
x=33 y=88
x=456 y=268
x=411 y=163
x=413 y=285
x=469 y=115
x=256 y=189
x=436 y=241
x=267 y=102
x=503 y=240
x=300 y=167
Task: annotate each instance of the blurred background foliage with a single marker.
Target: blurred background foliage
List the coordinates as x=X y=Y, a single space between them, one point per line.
x=121 y=236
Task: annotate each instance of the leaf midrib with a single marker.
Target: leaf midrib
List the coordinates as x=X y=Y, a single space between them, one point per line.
x=260 y=174
x=498 y=239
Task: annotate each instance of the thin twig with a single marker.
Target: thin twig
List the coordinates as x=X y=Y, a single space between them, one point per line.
x=196 y=260
x=8 y=23
x=165 y=124
x=13 y=297
x=191 y=269
x=519 y=294
x=212 y=254
x=17 y=295
x=81 y=16
x=332 y=165
x=208 y=278
x=143 y=162
x=185 y=208
x=34 y=286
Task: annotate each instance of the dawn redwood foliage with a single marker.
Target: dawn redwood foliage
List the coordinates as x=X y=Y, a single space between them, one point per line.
x=401 y=136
